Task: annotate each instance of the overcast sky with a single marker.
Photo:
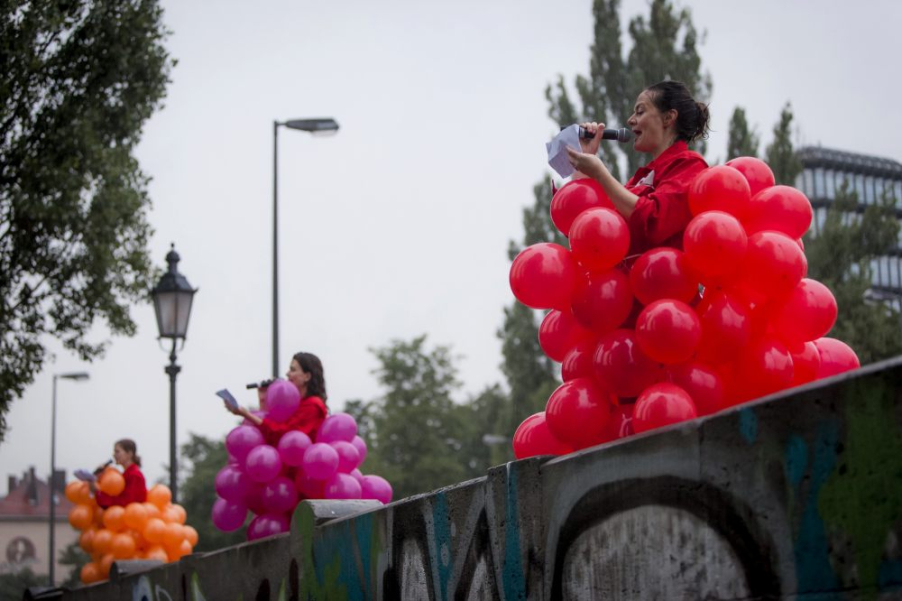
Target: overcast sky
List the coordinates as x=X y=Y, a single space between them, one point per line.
x=399 y=224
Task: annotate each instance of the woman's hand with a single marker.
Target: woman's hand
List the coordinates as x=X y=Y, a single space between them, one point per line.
x=586 y=163
x=591 y=146
x=239 y=411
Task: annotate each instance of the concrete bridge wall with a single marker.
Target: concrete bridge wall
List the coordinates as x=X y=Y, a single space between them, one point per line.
x=797 y=496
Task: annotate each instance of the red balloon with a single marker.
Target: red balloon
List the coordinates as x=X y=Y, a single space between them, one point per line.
x=661 y=405
x=543 y=275
x=806 y=362
x=702 y=383
x=763 y=368
x=774 y=264
x=579 y=413
x=781 y=209
x=719 y=188
x=756 y=172
x=715 y=244
x=602 y=301
x=533 y=438
x=622 y=367
x=726 y=327
x=663 y=273
x=668 y=331
x=578 y=362
x=599 y=239
x=574 y=198
x=621 y=424
x=808 y=314
x=560 y=333
x=836 y=357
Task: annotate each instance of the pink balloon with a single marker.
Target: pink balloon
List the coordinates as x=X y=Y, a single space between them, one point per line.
x=602 y=301
x=756 y=172
x=339 y=426
x=241 y=440
x=267 y=525
x=308 y=487
x=836 y=357
x=357 y=475
x=254 y=498
x=808 y=313
x=263 y=463
x=320 y=461
x=360 y=445
x=282 y=400
x=279 y=495
x=779 y=208
x=292 y=447
x=542 y=276
x=574 y=198
x=228 y=516
x=348 y=457
x=232 y=484
x=599 y=238
x=342 y=486
x=376 y=487
x=559 y=333
x=668 y=331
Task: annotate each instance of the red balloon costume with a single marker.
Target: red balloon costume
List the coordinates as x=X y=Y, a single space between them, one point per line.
x=308 y=418
x=135 y=490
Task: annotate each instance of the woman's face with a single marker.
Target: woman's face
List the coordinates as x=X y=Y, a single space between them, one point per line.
x=298 y=376
x=653 y=129
x=121 y=456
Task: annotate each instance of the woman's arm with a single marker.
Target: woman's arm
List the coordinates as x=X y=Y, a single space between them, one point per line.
x=588 y=164
x=242 y=412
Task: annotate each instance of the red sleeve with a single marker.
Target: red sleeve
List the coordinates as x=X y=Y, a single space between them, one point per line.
x=310 y=415
x=662 y=212
x=135 y=490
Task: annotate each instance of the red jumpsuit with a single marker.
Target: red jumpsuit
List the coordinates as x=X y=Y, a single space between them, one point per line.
x=135 y=490
x=308 y=418
x=662 y=210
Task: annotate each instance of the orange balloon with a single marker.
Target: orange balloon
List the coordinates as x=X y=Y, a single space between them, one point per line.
x=123 y=546
x=152 y=510
x=191 y=535
x=135 y=516
x=157 y=552
x=173 y=535
x=81 y=516
x=78 y=492
x=113 y=518
x=103 y=541
x=154 y=531
x=86 y=540
x=111 y=482
x=98 y=515
x=159 y=495
x=90 y=572
x=140 y=543
x=106 y=563
x=185 y=548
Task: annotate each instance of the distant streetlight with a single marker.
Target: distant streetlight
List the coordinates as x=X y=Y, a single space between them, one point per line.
x=318 y=127
x=78 y=376
x=172 y=298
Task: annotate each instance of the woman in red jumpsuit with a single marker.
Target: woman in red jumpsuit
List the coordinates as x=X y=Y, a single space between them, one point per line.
x=125 y=453
x=655 y=201
x=305 y=372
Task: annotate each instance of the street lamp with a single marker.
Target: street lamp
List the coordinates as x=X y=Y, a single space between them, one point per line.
x=78 y=376
x=172 y=298
x=318 y=127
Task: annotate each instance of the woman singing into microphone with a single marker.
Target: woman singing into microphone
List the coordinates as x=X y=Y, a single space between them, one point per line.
x=655 y=201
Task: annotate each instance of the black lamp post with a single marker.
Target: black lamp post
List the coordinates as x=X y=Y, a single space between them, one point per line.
x=322 y=127
x=78 y=377
x=172 y=298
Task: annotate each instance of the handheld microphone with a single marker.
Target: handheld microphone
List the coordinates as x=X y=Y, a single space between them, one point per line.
x=621 y=135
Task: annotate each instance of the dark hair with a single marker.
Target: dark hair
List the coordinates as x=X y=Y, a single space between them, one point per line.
x=128 y=445
x=692 y=116
x=311 y=364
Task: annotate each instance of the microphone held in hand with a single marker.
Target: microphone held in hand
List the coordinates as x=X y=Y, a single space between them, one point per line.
x=621 y=135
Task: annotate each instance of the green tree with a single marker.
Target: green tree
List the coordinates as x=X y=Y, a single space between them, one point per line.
x=74 y=556
x=781 y=156
x=743 y=141
x=205 y=458
x=78 y=79
x=13 y=585
x=840 y=257
x=418 y=432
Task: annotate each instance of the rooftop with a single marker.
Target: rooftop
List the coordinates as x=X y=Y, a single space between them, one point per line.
x=817 y=156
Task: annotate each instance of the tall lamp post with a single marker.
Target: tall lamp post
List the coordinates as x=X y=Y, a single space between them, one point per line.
x=318 y=127
x=78 y=377
x=172 y=297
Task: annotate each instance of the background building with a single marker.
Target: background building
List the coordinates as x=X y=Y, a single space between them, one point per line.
x=24 y=525
x=870 y=178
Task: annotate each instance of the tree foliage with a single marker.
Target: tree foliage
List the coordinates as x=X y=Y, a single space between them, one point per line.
x=13 y=584
x=205 y=458
x=78 y=79
x=742 y=140
x=840 y=256
x=781 y=156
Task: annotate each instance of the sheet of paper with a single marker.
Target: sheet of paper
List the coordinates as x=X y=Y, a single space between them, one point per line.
x=84 y=475
x=228 y=398
x=557 y=150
